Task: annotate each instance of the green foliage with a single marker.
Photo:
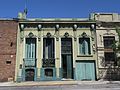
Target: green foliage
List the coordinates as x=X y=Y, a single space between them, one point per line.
x=118 y=30
x=116 y=48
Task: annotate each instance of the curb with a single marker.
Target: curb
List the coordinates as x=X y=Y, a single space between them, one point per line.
x=57 y=83
x=43 y=83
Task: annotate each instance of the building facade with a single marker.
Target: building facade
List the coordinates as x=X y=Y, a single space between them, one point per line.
x=60 y=48
x=107 y=34
x=8 y=39
x=56 y=49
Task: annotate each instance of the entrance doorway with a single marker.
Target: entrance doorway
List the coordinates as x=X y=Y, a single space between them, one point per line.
x=66 y=55
x=29 y=75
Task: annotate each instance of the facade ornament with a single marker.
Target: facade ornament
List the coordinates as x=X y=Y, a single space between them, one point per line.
x=84 y=35
x=48 y=35
x=31 y=35
x=66 y=35
x=21 y=39
x=75 y=39
x=93 y=47
x=39 y=39
x=57 y=38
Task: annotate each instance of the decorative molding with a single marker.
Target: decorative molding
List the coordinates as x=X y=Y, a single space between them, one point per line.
x=66 y=35
x=48 y=35
x=108 y=33
x=84 y=35
x=39 y=39
x=21 y=39
x=57 y=38
x=31 y=35
x=21 y=36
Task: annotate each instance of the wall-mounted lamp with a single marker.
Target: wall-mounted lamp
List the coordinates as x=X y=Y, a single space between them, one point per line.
x=92 y=26
x=75 y=26
x=39 y=27
x=57 y=26
x=22 y=26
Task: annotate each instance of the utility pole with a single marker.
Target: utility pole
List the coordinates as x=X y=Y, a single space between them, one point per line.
x=25 y=9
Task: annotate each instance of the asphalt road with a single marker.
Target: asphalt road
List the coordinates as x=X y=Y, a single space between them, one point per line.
x=67 y=87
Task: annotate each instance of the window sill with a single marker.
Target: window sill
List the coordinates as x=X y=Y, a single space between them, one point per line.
x=84 y=55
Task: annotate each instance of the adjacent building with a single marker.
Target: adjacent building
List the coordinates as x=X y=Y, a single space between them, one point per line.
x=107 y=29
x=8 y=38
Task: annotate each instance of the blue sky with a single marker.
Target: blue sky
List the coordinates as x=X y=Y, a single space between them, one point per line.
x=57 y=8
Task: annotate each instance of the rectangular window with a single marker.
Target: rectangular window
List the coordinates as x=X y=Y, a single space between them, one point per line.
x=66 y=46
x=48 y=48
x=84 y=46
x=108 y=41
x=48 y=52
x=30 y=48
x=109 y=57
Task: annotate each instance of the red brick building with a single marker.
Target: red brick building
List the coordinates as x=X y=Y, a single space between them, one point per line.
x=8 y=39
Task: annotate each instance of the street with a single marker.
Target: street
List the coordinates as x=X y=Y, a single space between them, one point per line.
x=66 y=87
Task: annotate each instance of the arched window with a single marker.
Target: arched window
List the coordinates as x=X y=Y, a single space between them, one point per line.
x=84 y=46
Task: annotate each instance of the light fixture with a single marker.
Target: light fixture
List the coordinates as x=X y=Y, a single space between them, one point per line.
x=22 y=26
x=57 y=26
x=75 y=26
x=93 y=26
x=39 y=27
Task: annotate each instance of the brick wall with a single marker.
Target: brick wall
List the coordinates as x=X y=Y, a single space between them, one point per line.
x=8 y=35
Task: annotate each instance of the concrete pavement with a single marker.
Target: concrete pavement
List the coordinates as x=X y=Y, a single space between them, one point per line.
x=55 y=83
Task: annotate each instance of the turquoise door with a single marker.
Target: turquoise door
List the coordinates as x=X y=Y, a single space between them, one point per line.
x=85 y=70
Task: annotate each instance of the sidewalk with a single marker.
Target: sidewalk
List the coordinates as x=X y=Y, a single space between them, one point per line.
x=53 y=83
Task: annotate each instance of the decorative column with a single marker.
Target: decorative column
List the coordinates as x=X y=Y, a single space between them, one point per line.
x=39 y=60
x=19 y=59
x=74 y=43
x=57 y=52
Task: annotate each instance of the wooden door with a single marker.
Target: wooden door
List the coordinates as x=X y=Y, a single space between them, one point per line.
x=85 y=71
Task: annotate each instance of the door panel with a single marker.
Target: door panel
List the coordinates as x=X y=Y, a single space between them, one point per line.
x=69 y=66
x=67 y=60
x=85 y=71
